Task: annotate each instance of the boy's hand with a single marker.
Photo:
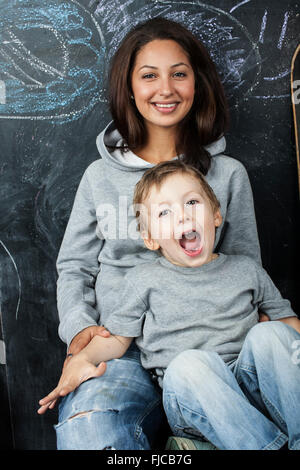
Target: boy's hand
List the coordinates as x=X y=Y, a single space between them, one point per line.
x=76 y=371
x=263 y=317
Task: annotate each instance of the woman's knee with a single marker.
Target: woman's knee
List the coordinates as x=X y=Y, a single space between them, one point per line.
x=124 y=384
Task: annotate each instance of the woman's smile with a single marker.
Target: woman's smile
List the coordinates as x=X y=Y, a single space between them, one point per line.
x=165 y=108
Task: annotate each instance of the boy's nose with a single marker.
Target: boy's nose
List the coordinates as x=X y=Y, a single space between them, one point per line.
x=183 y=217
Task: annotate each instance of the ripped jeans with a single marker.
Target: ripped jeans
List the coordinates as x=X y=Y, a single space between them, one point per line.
x=251 y=404
x=121 y=410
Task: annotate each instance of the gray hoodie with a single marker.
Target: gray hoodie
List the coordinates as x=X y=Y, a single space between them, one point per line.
x=101 y=241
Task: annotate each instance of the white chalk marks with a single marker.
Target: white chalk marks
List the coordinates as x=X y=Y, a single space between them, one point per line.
x=263 y=27
x=2 y=352
x=18 y=293
x=2 y=92
x=283 y=30
x=239 y=5
x=51 y=60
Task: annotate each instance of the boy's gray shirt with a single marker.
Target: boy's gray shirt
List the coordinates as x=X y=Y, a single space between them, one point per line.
x=171 y=308
x=101 y=241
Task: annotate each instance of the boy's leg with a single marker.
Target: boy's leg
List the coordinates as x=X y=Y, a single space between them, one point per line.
x=201 y=397
x=268 y=371
x=121 y=410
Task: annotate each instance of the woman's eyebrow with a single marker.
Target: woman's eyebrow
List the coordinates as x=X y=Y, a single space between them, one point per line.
x=172 y=66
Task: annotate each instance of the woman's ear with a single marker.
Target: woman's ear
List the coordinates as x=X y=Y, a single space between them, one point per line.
x=218 y=218
x=149 y=243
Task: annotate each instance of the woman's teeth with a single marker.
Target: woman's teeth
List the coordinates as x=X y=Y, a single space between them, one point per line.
x=169 y=105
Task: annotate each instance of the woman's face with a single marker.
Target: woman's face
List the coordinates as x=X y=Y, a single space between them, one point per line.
x=163 y=83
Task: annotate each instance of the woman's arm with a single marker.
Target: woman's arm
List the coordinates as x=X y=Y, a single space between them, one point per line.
x=78 y=266
x=89 y=363
x=294 y=322
x=239 y=233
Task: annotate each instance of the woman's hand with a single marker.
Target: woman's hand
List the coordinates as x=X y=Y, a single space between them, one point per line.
x=76 y=371
x=82 y=339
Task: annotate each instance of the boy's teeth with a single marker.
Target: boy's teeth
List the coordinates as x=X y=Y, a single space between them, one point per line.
x=190 y=235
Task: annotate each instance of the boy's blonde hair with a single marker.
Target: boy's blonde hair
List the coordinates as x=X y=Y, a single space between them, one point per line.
x=156 y=175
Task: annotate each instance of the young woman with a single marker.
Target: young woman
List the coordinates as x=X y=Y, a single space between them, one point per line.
x=167 y=102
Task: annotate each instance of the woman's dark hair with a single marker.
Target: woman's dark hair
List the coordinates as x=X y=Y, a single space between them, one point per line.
x=207 y=119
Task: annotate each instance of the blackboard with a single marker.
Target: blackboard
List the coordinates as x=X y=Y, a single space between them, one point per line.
x=53 y=62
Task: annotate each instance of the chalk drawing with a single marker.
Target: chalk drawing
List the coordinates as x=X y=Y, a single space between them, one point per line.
x=2 y=352
x=2 y=92
x=281 y=74
x=52 y=60
x=54 y=54
x=283 y=30
x=263 y=27
x=239 y=5
x=18 y=277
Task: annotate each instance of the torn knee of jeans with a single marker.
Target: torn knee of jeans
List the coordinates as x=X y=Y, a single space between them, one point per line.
x=88 y=413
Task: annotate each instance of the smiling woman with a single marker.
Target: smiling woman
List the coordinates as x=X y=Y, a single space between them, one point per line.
x=163 y=90
x=167 y=79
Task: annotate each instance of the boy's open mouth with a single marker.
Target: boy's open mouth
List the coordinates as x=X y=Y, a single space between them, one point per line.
x=190 y=242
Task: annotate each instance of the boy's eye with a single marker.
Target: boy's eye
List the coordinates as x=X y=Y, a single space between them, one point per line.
x=192 y=202
x=163 y=212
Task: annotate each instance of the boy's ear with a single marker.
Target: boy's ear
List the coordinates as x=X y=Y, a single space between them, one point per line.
x=149 y=243
x=218 y=218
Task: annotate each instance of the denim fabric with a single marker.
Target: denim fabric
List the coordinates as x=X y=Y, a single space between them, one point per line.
x=253 y=403
x=121 y=410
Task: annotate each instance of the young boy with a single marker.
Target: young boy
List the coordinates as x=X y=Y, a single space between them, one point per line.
x=195 y=316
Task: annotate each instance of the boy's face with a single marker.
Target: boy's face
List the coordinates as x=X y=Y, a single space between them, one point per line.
x=181 y=221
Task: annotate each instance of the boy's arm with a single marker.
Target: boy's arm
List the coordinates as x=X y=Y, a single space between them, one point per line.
x=84 y=366
x=104 y=349
x=271 y=303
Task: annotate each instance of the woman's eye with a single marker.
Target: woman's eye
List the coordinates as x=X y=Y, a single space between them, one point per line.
x=192 y=202
x=163 y=212
x=179 y=74
x=148 y=75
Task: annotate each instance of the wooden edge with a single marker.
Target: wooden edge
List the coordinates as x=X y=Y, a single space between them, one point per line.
x=294 y=114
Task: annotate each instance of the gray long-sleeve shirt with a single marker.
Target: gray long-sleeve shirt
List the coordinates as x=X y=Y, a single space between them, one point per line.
x=212 y=307
x=101 y=241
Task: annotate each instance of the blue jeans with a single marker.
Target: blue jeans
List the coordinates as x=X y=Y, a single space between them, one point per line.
x=254 y=403
x=120 y=410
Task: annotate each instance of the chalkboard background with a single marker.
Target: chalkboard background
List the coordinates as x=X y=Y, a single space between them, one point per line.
x=53 y=63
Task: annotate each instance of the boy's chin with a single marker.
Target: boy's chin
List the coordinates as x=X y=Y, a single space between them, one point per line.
x=183 y=259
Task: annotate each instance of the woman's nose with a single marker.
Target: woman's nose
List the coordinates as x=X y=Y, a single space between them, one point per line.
x=166 y=87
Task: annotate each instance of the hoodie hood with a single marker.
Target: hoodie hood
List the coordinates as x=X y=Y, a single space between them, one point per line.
x=110 y=136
